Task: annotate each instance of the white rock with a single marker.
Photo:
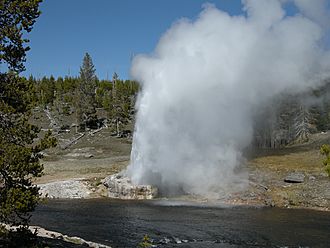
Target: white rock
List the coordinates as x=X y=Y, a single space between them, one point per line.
x=121 y=187
x=73 y=188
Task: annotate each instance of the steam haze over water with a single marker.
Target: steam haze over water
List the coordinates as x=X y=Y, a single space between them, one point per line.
x=205 y=81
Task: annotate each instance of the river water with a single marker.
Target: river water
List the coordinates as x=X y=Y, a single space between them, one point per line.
x=181 y=224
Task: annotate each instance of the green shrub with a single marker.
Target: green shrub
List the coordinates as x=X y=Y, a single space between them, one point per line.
x=146 y=242
x=327 y=169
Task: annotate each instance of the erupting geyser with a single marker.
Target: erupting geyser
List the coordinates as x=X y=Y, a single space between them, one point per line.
x=204 y=82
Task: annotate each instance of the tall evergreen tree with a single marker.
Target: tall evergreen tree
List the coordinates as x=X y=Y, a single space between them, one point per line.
x=85 y=93
x=19 y=153
x=119 y=112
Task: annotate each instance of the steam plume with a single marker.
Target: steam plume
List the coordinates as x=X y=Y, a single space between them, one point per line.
x=203 y=84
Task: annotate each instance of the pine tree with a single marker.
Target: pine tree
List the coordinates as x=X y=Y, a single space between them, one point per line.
x=119 y=111
x=47 y=91
x=85 y=93
x=19 y=153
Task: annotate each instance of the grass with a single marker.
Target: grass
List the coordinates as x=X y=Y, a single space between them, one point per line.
x=270 y=167
x=110 y=155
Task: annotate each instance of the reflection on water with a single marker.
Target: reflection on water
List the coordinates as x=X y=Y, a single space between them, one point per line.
x=172 y=224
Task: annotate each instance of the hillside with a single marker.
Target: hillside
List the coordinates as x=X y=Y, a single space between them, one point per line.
x=271 y=167
x=97 y=155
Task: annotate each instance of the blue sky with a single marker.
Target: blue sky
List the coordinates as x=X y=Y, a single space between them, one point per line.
x=111 y=31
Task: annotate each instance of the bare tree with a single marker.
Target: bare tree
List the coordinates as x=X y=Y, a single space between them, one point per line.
x=303 y=124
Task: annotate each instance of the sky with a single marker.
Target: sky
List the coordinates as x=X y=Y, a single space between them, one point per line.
x=111 y=31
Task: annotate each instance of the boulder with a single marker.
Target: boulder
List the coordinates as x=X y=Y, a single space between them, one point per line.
x=121 y=187
x=295 y=177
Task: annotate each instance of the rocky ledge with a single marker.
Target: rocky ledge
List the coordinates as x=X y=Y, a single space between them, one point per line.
x=121 y=187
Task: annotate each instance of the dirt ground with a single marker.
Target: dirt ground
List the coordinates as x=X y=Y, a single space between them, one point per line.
x=269 y=168
x=96 y=156
x=92 y=157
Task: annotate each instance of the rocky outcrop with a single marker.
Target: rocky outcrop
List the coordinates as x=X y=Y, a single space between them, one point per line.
x=117 y=186
x=73 y=188
x=121 y=187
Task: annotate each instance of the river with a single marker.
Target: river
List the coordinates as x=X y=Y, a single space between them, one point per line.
x=180 y=224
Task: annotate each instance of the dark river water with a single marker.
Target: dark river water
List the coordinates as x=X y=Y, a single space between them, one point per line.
x=171 y=224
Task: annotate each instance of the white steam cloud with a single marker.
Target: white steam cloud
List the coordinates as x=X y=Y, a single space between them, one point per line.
x=204 y=82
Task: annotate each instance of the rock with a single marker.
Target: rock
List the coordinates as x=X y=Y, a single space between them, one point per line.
x=42 y=153
x=164 y=241
x=269 y=202
x=79 y=242
x=312 y=178
x=295 y=177
x=177 y=241
x=121 y=187
x=88 y=155
x=79 y=155
x=73 y=188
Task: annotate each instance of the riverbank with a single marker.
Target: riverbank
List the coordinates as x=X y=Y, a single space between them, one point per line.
x=78 y=171
x=57 y=239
